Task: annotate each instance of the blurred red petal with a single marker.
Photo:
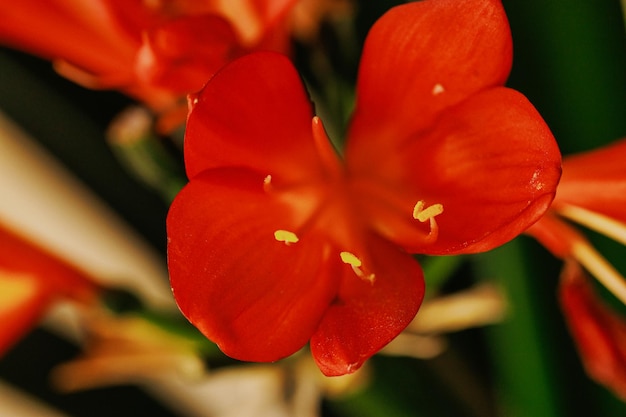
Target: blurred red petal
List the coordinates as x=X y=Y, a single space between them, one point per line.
x=30 y=279
x=599 y=332
x=19 y=255
x=84 y=33
x=23 y=299
x=183 y=54
x=596 y=180
x=258 y=298
x=555 y=235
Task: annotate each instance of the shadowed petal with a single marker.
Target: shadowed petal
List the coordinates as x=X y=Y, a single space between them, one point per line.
x=367 y=315
x=258 y=298
x=255 y=113
x=420 y=58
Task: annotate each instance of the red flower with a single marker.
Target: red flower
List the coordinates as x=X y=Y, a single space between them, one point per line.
x=276 y=241
x=156 y=52
x=599 y=332
x=592 y=192
x=30 y=280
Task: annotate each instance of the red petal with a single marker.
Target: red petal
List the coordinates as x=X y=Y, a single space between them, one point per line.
x=257 y=298
x=30 y=278
x=420 y=58
x=368 y=315
x=555 y=235
x=599 y=332
x=490 y=161
x=24 y=299
x=181 y=55
x=83 y=33
x=255 y=113
x=596 y=180
x=20 y=256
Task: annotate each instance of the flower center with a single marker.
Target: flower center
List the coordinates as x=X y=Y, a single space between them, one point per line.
x=347 y=210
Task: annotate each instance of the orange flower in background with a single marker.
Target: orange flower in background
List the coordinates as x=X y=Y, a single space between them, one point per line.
x=276 y=240
x=154 y=51
x=31 y=279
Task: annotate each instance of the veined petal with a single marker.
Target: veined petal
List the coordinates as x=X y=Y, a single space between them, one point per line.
x=491 y=162
x=368 y=314
x=599 y=332
x=254 y=113
x=420 y=58
x=596 y=181
x=238 y=270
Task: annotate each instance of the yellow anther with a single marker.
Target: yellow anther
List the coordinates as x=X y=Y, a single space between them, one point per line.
x=422 y=214
x=355 y=263
x=350 y=259
x=286 y=236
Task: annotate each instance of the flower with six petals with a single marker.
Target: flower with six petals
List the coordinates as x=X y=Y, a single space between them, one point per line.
x=277 y=240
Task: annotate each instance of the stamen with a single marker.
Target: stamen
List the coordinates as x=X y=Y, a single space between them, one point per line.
x=429 y=213
x=600 y=268
x=356 y=264
x=286 y=236
x=595 y=221
x=422 y=214
x=350 y=259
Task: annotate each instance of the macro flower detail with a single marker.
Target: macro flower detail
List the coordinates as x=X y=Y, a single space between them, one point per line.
x=278 y=240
